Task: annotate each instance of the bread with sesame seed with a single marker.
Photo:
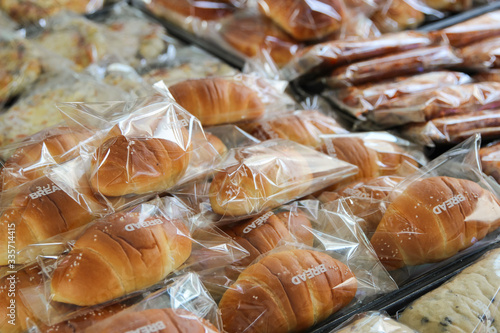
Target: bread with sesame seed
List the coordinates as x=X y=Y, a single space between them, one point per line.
x=433 y=219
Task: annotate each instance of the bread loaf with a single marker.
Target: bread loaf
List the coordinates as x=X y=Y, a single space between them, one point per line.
x=433 y=219
x=209 y=10
x=490 y=160
x=119 y=255
x=482 y=55
x=42 y=210
x=216 y=101
x=139 y=165
x=155 y=320
x=261 y=179
x=467 y=303
x=302 y=20
x=450 y=5
x=304 y=127
x=287 y=291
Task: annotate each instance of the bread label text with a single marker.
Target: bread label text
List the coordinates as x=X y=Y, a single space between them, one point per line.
x=143 y=224
x=41 y=191
x=309 y=274
x=152 y=328
x=448 y=204
x=257 y=223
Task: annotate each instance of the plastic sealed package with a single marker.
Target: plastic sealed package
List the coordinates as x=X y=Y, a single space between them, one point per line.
x=372 y=322
x=398 y=15
x=36 y=110
x=339 y=273
x=338 y=53
x=467 y=303
x=438 y=213
x=390 y=66
x=302 y=126
x=29 y=12
x=490 y=160
x=482 y=55
x=491 y=75
x=358 y=100
x=220 y=100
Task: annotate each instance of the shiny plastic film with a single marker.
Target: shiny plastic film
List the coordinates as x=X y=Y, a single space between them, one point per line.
x=372 y=322
x=481 y=55
x=228 y=99
x=467 y=303
x=398 y=15
x=490 y=160
x=437 y=213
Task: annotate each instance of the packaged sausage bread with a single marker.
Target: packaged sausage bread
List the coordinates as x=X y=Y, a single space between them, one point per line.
x=467 y=303
x=490 y=160
x=372 y=322
x=438 y=212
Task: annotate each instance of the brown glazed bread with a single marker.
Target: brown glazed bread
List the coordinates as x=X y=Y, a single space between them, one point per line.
x=251 y=35
x=397 y=16
x=119 y=255
x=154 y=320
x=287 y=291
x=304 y=127
x=42 y=210
x=49 y=147
x=216 y=101
x=138 y=165
x=490 y=160
x=258 y=182
x=449 y=5
x=303 y=21
x=433 y=219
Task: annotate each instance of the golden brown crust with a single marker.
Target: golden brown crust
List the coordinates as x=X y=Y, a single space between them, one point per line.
x=138 y=165
x=287 y=291
x=433 y=219
x=301 y=20
x=481 y=55
x=490 y=160
x=216 y=101
x=399 y=15
x=209 y=10
x=118 y=256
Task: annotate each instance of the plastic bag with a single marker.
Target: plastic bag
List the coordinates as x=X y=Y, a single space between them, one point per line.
x=265 y=176
x=454 y=129
x=374 y=153
x=29 y=12
x=27 y=160
x=372 y=322
x=404 y=63
x=305 y=21
x=36 y=110
x=359 y=100
x=468 y=302
x=490 y=75
x=438 y=213
x=304 y=127
x=481 y=55
x=398 y=15
x=490 y=160
x=335 y=53
x=220 y=100
x=258 y=300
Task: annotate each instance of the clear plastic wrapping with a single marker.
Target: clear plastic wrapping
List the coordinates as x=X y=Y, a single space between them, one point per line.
x=362 y=99
x=228 y=99
x=490 y=160
x=338 y=53
x=303 y=126
x=398 y=15
x=372 y=322
x=481 y=55
x=437 y=213
x=490 y=75
x=404 y=63
x=467 y=303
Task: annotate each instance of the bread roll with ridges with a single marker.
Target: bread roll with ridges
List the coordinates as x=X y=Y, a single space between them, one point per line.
x=216 y=101
x=433 y=219
x=38 y=216
x=138 y=165
x=302 y=20
x=217 y=143
x=155 y=320
x=286 y=292
x=113 y=258
x=490 y=160
x=261 y=181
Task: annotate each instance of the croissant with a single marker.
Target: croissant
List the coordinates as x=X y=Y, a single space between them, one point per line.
x=216 y=101
x=490 y=160
x=42 y=210
x=302 y=20
x=304 y=127
x=286 y=292
x=261 y=179
x=433 y=219
x=138 y=165
x=119 y=255
x=49 y=147
x=155 y=320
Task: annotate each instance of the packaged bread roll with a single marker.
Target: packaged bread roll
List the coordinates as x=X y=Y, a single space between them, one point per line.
x=398 y=15
x=490 y=160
